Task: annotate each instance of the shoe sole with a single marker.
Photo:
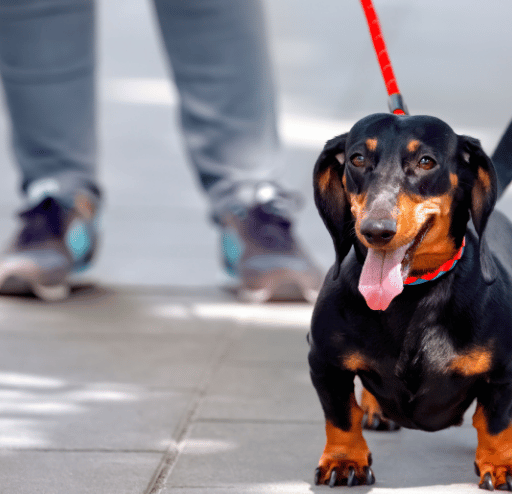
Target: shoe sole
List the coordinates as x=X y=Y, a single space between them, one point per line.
x=51 y=293
x=48 y=293
x=279 y=286
x=267 y=295
x=22 y=278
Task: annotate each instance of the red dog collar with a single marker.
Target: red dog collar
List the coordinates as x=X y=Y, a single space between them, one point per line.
x=444 y=268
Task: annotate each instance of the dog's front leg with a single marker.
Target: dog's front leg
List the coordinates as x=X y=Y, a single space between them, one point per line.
x=346 y=458
x=493 y=460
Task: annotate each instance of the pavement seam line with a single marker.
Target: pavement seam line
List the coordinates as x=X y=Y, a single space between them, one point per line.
x=170 y=457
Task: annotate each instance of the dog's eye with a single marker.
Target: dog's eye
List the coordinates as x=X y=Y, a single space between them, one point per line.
x=357 y=160
x=427 y=163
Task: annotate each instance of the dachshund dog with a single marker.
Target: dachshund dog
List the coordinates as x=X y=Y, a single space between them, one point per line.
x=418 y=303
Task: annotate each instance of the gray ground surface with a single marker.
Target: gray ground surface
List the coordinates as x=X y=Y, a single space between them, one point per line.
x=153 y=379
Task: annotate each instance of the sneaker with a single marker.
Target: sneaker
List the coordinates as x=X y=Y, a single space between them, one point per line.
x=259 y=250
x=53 y=242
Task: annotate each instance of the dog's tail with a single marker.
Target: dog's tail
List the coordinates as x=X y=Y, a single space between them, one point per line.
x=502 y=159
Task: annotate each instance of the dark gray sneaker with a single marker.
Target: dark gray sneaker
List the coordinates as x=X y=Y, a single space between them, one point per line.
x=259 y=250
x=53 y=242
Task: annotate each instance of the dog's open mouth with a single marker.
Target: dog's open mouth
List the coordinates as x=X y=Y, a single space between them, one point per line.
x=384 y=271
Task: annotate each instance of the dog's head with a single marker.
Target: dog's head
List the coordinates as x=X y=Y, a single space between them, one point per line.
x=402 y=188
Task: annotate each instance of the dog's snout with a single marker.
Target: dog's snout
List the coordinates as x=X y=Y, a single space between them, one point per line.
x=378 y=232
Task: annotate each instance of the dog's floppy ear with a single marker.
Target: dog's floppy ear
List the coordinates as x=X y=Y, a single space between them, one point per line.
x=484 y=193
x=331 y=199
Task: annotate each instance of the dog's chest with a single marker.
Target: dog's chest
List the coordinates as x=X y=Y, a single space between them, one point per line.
x=432 y=351
x=428 y=381
x=423 y=354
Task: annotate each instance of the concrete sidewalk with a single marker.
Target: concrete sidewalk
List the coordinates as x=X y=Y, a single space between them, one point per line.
x=156 y=390
x=140 y=391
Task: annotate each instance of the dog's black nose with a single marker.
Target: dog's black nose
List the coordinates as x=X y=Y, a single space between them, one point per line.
x=378 y=232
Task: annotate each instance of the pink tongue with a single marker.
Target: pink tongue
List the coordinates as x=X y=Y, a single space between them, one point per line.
x=381 y=278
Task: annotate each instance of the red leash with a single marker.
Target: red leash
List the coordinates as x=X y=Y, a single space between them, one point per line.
x=395 y=102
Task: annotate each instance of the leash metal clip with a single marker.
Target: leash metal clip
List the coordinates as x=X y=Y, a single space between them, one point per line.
x=397 y=104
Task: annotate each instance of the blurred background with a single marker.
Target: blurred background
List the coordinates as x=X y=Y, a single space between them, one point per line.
x=451 y=59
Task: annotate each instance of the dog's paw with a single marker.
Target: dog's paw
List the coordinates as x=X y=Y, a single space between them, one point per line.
x=494 y=476
x=493 y=458
x=376 y=422
x=373 y=418
x=335 y=471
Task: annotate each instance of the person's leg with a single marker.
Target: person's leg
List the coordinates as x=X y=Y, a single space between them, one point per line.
x=219 y=58
x=47 y=70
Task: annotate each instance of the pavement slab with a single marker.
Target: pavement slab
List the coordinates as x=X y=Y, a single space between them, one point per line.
x=141 y=360
x=215 y=398
x=273 y=392
x=77 y=472
x=251 y=456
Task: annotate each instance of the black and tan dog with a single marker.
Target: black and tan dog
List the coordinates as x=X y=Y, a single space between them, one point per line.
x=418 y=303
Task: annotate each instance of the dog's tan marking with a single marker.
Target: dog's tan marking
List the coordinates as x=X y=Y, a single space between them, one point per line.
x=324 y=179
x=481 y=189
x=370 y=405
x=484 y=179
x=493 y=453
x=413 y=145
x=437 y=246
x=357 y=205
x=454 y=180
x=355 y=361
x=474 y=362
x=371 y=144
x=345 y=449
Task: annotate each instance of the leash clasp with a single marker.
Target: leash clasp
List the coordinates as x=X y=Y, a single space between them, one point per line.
x=396 y=104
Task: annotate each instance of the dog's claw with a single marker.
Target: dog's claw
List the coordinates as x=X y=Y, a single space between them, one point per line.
x=393 y=426
x=369 y=477
x=370 y=425
x=318 y=473
x=366 y=422
x=373 y=425
x=351 y=479
x=508 y=485
x=487 y=482
x=378 y=424
x=334 y=476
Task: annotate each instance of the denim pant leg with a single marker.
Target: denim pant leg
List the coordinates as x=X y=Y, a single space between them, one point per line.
x=47 y=68
x=218 y=54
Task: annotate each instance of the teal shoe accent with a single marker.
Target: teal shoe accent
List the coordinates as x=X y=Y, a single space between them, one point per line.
x=232 y=250
x=78 y=240
x=260 y=252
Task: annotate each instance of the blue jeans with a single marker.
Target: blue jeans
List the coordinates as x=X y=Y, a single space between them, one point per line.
x=219 y=60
